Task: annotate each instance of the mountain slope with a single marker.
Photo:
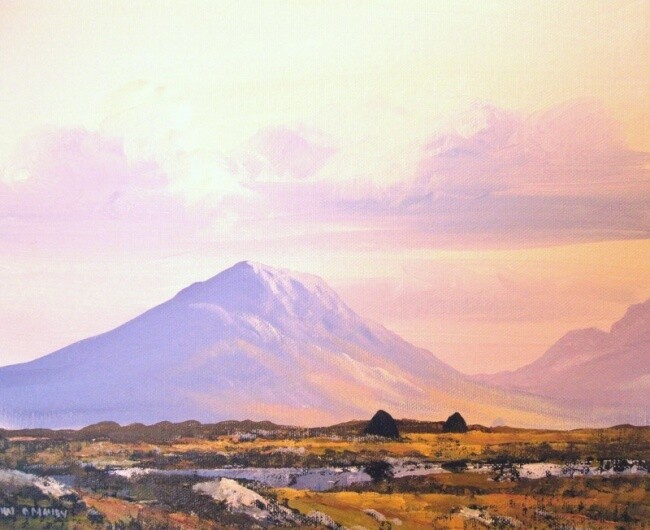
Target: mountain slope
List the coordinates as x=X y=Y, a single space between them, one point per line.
x=252 y=342
x=590 y=366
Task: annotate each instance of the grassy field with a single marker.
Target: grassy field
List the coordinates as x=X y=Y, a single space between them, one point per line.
x=474 y=445
x=567 y=503
x=465 y=497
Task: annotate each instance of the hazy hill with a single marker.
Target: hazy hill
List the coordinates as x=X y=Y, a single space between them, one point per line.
x=589 y=367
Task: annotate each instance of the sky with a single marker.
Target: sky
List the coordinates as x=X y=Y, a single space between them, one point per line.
x=473 y=175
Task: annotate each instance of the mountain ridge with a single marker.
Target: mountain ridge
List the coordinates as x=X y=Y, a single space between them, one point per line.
x=588 y=366
x=261 y=343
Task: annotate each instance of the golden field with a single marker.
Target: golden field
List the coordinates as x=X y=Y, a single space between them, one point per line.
x=461 y=498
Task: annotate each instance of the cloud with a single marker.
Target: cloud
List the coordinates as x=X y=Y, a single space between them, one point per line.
x=156 y=123
x=281 y=152
x=78 y=189
x=74 y=173
x=577 y=142
x=497 y=177
x=487 y=177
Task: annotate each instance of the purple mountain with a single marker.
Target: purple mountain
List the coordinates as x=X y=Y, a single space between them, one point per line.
x=590 y=367
x=261 y=343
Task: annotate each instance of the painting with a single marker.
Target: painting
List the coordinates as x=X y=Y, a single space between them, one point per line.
x=324 y=264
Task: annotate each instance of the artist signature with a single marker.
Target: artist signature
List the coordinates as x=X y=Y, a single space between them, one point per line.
x=33 y=512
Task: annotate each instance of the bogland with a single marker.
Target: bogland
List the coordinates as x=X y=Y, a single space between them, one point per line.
x=248 y=474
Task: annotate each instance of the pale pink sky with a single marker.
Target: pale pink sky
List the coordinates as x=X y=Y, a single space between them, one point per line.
x=474 y=176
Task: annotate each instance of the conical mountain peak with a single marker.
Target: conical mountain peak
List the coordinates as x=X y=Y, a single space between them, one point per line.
x=256 y=288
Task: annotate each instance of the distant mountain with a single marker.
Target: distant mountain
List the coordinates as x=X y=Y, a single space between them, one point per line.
x=161 y=432
x=260 y=343
x=590 y=367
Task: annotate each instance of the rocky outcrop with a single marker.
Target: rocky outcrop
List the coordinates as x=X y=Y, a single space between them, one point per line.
x=382 y=424
x=455 y=423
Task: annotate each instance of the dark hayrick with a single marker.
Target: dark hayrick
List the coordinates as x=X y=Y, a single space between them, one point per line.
x=382 y=424
x=455 y=423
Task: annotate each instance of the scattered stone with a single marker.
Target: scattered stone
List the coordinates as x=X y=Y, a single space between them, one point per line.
x=377 y=516
x=323 y=519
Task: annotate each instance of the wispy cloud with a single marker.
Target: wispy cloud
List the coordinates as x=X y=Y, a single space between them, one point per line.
x=500 y=178
x=75 y=173
x=282 y=152
x=489 y=177
x=576 y=143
